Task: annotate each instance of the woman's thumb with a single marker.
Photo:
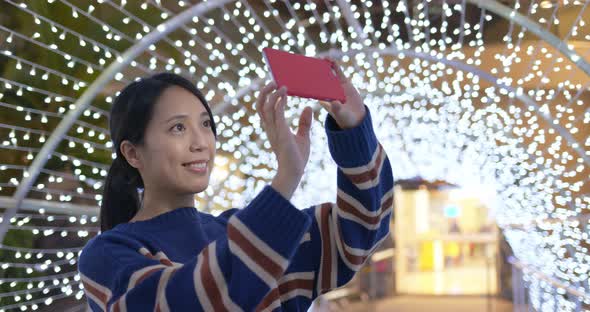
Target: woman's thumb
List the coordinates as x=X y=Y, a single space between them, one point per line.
x=305 y=122
x=336 y=106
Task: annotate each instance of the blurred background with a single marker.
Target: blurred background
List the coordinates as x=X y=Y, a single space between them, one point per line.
x=481 y=105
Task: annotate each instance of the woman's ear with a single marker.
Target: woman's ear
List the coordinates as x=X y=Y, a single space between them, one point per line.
x=131 y=154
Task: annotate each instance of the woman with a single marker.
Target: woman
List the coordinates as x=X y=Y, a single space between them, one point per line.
x=160 y=253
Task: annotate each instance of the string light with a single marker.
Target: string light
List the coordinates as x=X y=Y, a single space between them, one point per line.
x=448 y=103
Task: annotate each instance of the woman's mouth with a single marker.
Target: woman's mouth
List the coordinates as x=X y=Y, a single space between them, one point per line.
x=197 y=167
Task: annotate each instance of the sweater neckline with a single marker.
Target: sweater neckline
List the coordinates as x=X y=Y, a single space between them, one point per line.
x=174 y=217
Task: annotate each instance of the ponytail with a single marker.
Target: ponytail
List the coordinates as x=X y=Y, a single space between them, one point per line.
x=120 y=200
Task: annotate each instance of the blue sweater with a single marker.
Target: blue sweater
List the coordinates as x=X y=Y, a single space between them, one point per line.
x=267 y=256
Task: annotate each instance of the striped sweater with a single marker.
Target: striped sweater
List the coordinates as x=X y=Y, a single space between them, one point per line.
x=267 y=256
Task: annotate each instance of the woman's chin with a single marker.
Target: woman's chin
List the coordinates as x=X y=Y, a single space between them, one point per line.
x=198 y=188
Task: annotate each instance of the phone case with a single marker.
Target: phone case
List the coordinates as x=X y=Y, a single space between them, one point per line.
x=304 y=76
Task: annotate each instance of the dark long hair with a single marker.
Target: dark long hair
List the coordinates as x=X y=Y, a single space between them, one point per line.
x=129 y=117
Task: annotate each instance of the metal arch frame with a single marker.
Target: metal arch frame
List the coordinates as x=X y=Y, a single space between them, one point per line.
x=13 y=204
x=349 y=17
x=560 y=45
x=49 y=206
x=84 y=101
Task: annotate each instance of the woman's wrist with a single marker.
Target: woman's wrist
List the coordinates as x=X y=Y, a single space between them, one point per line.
x=286 y=184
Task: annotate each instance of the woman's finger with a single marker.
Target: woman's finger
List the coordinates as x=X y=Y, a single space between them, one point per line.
x=279 y=113
x=269 y=106
x=305 y=122
x=326 y=105
x=262 y=97
x=338 y=69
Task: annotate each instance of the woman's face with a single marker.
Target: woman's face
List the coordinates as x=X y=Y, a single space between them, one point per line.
x=179 y=144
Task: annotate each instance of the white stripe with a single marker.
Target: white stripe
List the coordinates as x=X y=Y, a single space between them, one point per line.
x=333 y=251
x=158 y=256
x=359 y=251
x=199 y=285
x=297 y=275
x=96 y=300
x=375 y=181
x=258 y=243
x=252 y=265
x=366 y=167
x=338 y=242
x=144 y=251
x=161 y=292
x=275 y=304
x=296 y=292
x=368 y=226
x=354 y=251
x=103 y=289
x=360 y=208
x=135 y=276
x=122 y=303
x=306 y=238
x=220 y=280
x=99 y=288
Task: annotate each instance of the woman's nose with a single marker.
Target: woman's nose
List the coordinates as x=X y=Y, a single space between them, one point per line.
x=197 y=141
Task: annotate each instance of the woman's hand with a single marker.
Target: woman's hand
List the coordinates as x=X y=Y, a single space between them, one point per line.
x=350 y=114
x=291 y=149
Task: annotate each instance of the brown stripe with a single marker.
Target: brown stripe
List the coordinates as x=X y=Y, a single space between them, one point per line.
x=387 y=204
x=346 y=207
x=97 y=293
x=265 y=262
x=326 y=247
x=210 y=285
x=354 y=259
x=146 y=274
x=158 y=307
x=285 y=287
x=299 y=283
x=271 y=297
x=370 y=174
x=166 y=262
x=117 y=305
x=149 y=255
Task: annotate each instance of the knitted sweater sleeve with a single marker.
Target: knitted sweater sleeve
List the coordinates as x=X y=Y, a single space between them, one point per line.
x=232 y=273
x=344 y=233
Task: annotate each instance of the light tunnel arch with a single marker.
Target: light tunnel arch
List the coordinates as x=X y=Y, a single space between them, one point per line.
x=110 y=73
x=202 y=8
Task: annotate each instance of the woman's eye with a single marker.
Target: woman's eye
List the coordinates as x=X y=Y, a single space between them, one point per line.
x=207 y=123
x=178 y=127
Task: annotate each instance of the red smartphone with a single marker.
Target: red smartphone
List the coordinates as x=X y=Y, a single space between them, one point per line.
x=304 y=76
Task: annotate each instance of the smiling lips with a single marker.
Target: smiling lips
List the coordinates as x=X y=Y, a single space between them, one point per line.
x=197 y=166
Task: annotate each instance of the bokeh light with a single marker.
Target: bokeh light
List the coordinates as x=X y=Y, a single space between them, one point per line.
x=459 y=91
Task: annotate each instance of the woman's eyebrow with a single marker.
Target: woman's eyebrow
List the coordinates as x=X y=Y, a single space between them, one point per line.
x=182 y=116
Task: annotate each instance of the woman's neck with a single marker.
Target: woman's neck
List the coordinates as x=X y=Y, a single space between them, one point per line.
x=157 y=203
